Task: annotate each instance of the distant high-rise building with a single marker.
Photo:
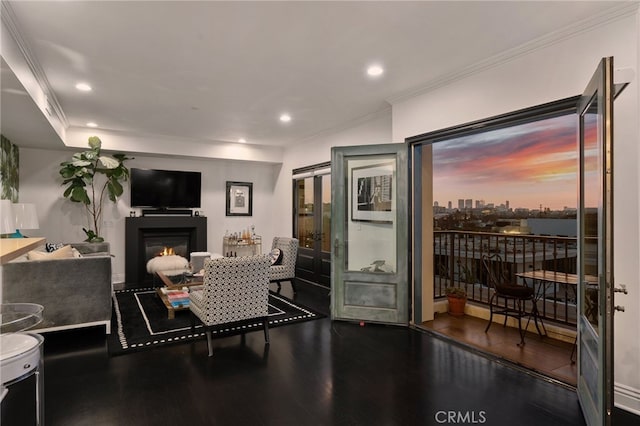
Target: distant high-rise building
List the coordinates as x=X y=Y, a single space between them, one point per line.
x=468 y=203
x=450 y=205
x=507 y=204
x=479 y=204
x=435 y=204
x=460 y=204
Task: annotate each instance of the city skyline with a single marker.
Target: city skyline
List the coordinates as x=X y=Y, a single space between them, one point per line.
x=530 y=164
x=486 y=203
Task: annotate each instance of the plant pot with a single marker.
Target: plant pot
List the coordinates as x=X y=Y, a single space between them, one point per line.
x=456 y=305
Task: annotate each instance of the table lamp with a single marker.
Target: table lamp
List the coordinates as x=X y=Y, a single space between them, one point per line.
x=25 y=218
x=7 y=221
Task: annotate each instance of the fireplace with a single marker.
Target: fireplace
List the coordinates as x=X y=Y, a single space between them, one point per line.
x=148 y=236
x=166 y=242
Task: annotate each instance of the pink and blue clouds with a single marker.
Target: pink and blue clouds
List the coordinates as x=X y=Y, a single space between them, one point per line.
x=530 y=165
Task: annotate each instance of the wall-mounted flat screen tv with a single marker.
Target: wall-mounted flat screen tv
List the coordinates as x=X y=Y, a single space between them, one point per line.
x=165 y=188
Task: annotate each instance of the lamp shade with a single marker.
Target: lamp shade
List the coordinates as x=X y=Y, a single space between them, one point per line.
x=7 y=221
x=25 y=216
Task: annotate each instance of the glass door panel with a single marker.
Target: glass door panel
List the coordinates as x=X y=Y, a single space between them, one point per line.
x=312 y=228
x=305 y=217
x=370 y=227
x=325 y=229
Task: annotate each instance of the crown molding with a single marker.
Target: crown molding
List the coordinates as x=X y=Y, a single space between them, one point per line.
x=104 y=132
x=164 y=145
x=611 y=15
x=11 y=23
x=386 y=110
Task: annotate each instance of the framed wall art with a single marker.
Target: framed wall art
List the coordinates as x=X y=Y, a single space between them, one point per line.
x=239 y=198
x=372 y=193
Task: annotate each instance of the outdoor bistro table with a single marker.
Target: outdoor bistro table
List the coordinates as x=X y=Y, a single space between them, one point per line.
x=545 y=279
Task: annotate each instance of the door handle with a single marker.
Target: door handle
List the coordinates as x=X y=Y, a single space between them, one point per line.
x=336 y=247
x=622 y=289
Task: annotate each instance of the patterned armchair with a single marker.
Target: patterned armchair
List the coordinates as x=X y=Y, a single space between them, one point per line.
x=286 y=271
x=235 y=290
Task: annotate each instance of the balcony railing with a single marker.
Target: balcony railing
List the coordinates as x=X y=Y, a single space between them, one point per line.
x=458 y=263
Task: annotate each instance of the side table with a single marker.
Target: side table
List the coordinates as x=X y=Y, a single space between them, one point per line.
x=21 y=353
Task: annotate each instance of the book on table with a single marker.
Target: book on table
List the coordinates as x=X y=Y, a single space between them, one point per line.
x=179 y=303
x=178 y=295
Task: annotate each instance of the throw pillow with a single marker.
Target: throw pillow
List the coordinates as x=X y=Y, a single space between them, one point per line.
x=62 y=253
x=276 y=256
x=51 y=247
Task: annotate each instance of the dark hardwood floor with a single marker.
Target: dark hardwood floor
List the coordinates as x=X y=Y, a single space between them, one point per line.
x=313 y=373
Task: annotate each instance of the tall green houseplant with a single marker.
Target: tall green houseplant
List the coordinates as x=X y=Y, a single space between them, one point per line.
x=88 y=177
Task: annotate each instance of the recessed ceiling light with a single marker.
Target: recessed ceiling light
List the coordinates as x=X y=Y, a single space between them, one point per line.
x=83 y=87
x=92 y=124
x=242 y=140
x=375 y=70
x=285 y=118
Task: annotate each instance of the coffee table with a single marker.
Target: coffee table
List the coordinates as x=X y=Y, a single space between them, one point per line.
x=170 y=285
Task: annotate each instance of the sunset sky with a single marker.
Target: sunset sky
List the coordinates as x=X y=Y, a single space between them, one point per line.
x=529 y=165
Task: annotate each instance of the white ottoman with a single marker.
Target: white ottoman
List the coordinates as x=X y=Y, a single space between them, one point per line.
x=169 y=265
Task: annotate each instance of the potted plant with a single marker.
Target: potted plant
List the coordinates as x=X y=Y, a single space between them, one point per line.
x=457 y=298
x=88 y=177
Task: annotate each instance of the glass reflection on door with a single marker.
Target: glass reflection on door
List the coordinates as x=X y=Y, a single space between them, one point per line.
x=325 y=228
x=371 y=231
x=306 y=207
x=592 y=205
x=313 y=228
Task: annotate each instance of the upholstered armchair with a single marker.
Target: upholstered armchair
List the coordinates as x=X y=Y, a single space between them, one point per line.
x=235 y=291
x=286 y=269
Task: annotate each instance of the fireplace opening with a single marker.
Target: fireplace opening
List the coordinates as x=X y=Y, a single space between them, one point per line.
x=148 y=237
x=165 y=243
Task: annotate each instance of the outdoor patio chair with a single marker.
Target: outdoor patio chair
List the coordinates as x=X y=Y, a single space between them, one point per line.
x=515 y=296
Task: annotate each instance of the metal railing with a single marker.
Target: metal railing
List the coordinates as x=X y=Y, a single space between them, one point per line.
x=458 y=263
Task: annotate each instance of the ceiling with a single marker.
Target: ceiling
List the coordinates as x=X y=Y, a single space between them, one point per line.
x=215 y=72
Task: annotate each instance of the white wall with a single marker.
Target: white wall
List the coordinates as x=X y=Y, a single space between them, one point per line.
x=61 y=220
x=557 y=71
x=376 y=130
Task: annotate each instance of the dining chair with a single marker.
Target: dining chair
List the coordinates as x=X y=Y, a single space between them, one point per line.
x=515 y=296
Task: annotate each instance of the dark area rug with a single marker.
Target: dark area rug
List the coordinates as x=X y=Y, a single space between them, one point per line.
x=140 y=321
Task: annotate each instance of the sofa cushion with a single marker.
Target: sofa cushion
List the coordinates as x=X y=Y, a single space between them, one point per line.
x=62 y=253
x=276 y=256
x=51 y=247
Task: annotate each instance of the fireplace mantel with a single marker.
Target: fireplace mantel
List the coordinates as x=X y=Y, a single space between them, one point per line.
x=135 y=229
